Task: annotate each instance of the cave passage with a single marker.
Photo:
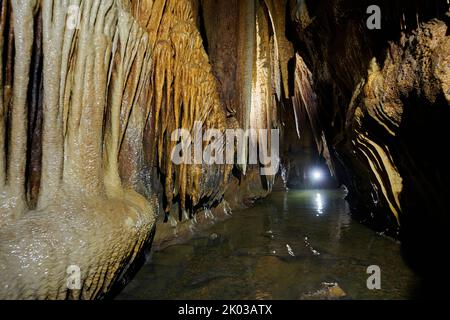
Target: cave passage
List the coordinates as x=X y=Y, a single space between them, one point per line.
x=290 y=246
x=136 y=131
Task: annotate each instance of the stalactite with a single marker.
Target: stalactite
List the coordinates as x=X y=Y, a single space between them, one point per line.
x=85 y=123
x=246 y=45
x=261 y=90
x=277 y=81
x=277 y=13
x=35 y=117
x=184 y=91
x=57 y=42
x=80 y=81
x=306 y=105
x=263 y=104
x=134 y=112
x=3 y=16
x=222 y=47
x=23 y=13
x=249 y=60
x=131 y=68
x=113 y=88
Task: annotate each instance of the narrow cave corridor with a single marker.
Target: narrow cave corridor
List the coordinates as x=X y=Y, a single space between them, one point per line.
x=224 y=149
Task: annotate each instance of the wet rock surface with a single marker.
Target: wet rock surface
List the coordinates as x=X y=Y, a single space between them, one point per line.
x=329 y=291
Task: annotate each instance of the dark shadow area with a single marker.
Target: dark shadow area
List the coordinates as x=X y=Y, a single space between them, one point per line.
x=423 y=160
x=129 y=273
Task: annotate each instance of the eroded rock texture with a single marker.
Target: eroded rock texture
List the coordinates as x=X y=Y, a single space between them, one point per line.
x=383 y=101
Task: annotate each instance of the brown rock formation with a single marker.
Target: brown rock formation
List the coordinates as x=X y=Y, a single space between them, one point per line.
x=91 y=92
x=79 y=133
x=382 y=103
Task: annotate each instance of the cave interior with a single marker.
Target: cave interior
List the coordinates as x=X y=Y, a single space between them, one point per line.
x=92 y=91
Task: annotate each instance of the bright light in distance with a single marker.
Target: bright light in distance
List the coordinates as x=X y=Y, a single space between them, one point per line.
x=317 y=175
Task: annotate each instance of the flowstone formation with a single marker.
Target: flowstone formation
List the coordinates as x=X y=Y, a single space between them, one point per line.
x=90 y=92
x=63 y=117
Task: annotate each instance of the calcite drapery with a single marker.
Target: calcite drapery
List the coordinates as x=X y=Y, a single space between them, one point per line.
x=76 y=134
x=250 y=62
x=185 y=92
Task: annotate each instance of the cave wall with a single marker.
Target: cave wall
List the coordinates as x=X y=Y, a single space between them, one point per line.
x=250 y=59
x=383 y=99
x=249 y=54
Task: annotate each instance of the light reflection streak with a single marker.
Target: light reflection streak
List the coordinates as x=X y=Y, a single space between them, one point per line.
x=319 y=203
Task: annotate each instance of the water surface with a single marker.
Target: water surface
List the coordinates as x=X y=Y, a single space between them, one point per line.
x=284 y=247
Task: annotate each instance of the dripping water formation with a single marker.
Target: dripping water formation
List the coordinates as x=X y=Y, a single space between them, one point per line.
x=209 y=149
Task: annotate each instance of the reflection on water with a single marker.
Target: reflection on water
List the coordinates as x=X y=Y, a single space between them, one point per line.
x=319 y=203
x=283 y=248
